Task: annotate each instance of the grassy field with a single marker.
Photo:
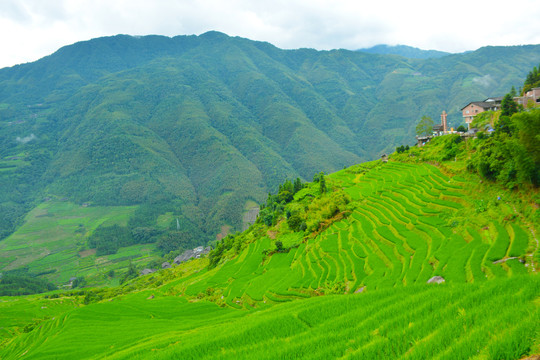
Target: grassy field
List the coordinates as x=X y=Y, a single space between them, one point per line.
x=356 y=289
x=494 y=320
x=53 y=237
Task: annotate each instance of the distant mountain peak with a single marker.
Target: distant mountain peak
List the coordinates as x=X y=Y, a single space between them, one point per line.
x=213 y=34
x=405 y=51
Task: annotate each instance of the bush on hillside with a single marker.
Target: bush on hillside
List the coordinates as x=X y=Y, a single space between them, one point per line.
x=512 y=154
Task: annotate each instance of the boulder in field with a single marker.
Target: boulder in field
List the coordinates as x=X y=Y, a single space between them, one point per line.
x=436 y=280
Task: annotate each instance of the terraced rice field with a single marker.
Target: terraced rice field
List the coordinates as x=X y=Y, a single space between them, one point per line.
x=497 y=319
x=401 y=233
x=50 y=239
x=410 y=223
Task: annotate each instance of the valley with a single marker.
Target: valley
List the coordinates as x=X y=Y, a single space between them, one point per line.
x=119 y=154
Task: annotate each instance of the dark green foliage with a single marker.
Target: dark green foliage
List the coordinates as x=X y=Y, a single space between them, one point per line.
x=21 y=282
x=275 y=204
x=461 y=129
x=91 y=297
x=512 y=154
x=221 y=248
x=144 y=235
x=532 y=80
x=79 y=282
x=130 y=274
x=402 y=149
x=322 y=183
x=513 y=92
x=176 y=240
x=108 y=239
x=295 y=222
x=505 y=125
x=508 y=106
x=297 y=185
x=199 y=125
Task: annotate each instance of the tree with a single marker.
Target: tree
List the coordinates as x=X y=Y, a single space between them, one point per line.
x=78 y=282
x=279 y=246
x=176 y=240
x=294 y=222
x=513 y=92
x=131 y=273
x=505 y=125
x=322 y=183
x=508 y=106
x=297 y=185
x=461 y=128
x=425 y=126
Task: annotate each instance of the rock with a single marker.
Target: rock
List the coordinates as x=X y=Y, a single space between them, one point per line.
x=436 y=280
x=165 y=265
x=360 y=290
x=191 y=254
x=147 y=271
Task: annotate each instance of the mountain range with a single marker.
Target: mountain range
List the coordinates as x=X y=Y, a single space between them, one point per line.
x=203 y=127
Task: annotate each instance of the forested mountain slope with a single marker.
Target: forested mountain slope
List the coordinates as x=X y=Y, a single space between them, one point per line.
x=405 y=51
x=203 y=126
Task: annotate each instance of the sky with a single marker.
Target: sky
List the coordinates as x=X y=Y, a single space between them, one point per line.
x=31 y=29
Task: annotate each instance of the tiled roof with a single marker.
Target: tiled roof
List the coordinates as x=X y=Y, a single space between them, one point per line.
x=482 y=104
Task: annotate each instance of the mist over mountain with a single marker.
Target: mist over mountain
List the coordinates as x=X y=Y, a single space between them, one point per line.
x=203 y=126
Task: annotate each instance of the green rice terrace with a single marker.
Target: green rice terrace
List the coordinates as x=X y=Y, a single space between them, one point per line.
x=336 y=268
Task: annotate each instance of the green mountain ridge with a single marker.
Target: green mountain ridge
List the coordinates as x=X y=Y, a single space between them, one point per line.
x=199 y=127
x=405 y=51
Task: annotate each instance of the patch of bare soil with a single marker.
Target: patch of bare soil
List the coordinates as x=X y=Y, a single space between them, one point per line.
x=532 y=357
x=86 y=253
x=225 y=229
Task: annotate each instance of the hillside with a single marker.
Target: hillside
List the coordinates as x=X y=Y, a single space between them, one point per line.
x=405 y=51
x=195 y=131
x=338 y=270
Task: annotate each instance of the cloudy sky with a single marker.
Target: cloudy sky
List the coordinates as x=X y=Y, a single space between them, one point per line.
x=31 y=29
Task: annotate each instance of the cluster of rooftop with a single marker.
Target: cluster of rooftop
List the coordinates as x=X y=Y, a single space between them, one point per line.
x=530 y=98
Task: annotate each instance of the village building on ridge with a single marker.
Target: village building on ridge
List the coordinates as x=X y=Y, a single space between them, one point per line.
x=476 y=107
x=530 y=97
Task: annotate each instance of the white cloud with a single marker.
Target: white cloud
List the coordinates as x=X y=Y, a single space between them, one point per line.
x=26 y=139
x=35 y=28
x=485 y=81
